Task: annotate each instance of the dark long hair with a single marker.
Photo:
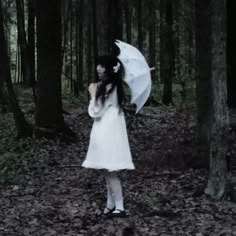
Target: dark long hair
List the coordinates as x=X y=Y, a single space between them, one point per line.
x=110 y=77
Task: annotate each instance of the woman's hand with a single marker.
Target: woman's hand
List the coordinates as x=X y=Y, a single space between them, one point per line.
x=92 y=89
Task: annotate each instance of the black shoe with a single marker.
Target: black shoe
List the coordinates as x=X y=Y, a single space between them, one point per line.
x=117 y=213
x=108 y=211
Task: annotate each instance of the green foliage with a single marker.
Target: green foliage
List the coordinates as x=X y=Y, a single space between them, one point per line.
x=65 y=87
x=20 y=159
x=177 y=91
x=151 y=200
x=156 y=91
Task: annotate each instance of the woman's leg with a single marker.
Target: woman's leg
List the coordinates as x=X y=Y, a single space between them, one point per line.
x=115 y=187
x=110 y=197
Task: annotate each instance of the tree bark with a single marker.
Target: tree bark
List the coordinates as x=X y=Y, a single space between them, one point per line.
x=3 y=99
x=167 y=57
x=102 y=26
x=76 y=89
x=140 y=24
x=115 y=20
x=203 y=74
x=95 y=40
x=71 y=48
x=177 y=34
x=66 y=9
x=152 y=35
x=212 y=113
x=23 y=42
x=89 y=47
x=231 y=47
x=128 y=17
x=31 y=43
x=24 y=129
x=81 y=46
x=108 y=16
x=219 y=120
x=48 y=118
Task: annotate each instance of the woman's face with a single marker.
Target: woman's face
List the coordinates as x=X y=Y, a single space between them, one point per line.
x=100 y=70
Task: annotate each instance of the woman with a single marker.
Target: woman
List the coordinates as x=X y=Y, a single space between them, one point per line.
x=109 y=147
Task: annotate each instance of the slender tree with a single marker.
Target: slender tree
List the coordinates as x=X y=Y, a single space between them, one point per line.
x=140 y=24
x=231 y=47
x=101 y=26
x=115 y=20
x=203 y=73
x=95 y=40
x=81 y=46
x=89 y=47
x=31 y=43
x=190 y=39
x=25 y=64
x=24 y=129
x=71 y=47
x=167 y=53
x=76 y=89
x=18 y=64
x=3 y=100
x=128 y=20
x=152 y=34
x=66 y=9
x=89 y=55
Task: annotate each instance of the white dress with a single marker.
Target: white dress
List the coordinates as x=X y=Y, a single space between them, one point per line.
x=109 y=146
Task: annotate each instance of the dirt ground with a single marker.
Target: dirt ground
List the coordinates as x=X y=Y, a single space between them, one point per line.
x=64 y=199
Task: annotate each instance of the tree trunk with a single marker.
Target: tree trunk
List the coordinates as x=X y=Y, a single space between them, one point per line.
x=231 y=47
x=167 y=59
x=191 y=40
x=23 y=43
x=109 y=22
x=177 y=34
x=48 y=118
x=76 y=89
x=203 y=75
x=66 y=8
x=162 y=40
x=152 y=35
x=219 y=120
x=89 y=47
x=115 y=21
x=81 y=46
x=182 y=9
x=23 y=128
x=31 y=43
x=128 y=17
x=71 y=47
x=3 y=99
x=95 y=39
x=140 y=24
x=18 y=67
x=102 y=26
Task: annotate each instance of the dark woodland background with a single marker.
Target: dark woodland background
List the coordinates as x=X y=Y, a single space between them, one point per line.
x=183 y=140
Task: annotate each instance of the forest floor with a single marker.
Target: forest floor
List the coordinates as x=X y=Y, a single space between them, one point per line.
x=45 y=191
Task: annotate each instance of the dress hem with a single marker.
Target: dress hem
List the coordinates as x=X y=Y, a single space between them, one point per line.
x=100 y=167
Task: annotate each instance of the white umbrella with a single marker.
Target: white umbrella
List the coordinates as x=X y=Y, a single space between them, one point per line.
x=137 y=73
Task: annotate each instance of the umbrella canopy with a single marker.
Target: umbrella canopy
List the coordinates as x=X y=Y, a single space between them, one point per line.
x=137 y=73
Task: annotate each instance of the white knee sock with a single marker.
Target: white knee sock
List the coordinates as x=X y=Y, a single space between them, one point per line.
x=116 y=189
x=110 y=197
